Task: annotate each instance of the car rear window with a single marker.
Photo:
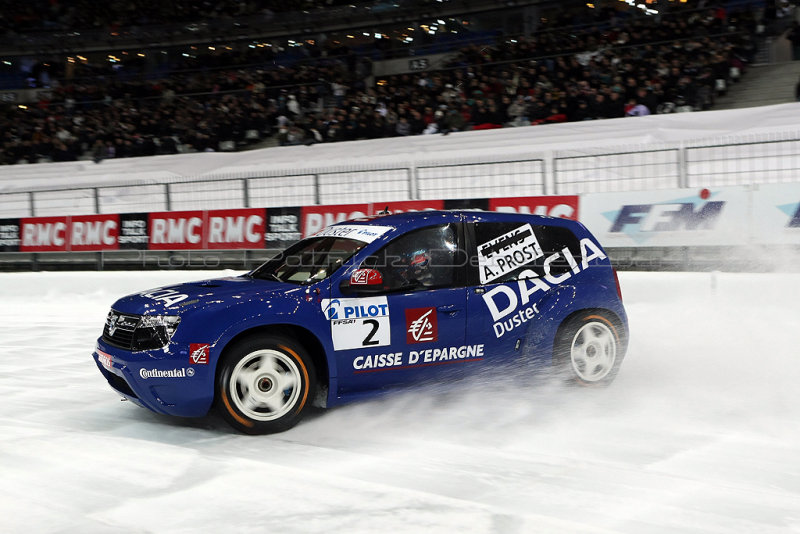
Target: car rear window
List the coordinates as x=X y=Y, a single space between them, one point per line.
x=507 y=251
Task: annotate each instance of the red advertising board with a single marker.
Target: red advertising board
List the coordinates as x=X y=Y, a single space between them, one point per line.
x=409 y=205
x=246 y=228
x=315 y=218
x=77 y=233
x=176 y=230
x=565 y=206
x=235 y=229
x=94 y=232
x=43 y=234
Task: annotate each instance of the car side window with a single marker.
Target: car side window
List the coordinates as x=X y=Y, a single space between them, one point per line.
x=508 y=251
x=421 y=259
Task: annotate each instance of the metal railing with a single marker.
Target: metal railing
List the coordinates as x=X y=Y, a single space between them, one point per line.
x=617 y=171
x=730 y=161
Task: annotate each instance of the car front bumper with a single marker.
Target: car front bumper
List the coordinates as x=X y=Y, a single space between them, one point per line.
x=164 y=380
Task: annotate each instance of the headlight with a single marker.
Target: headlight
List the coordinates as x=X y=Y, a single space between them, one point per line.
x=154 y=331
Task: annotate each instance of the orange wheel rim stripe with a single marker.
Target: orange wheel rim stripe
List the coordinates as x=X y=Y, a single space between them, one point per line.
x=231 y=411
x=305 y=375
x=616 y=335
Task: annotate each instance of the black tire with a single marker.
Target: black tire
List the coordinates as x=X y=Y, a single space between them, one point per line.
x=265 y=384
x=589 y=348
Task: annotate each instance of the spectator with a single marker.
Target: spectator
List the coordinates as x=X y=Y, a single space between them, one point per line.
x=636 y=109
x=797 y=91
x=793 y=35
x=454 y=121
x=583 y=112
x=99 y=151
x=517 y=111
x=560 y=73
x=403 y=127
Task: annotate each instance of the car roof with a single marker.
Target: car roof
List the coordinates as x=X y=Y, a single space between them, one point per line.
x=413 y=219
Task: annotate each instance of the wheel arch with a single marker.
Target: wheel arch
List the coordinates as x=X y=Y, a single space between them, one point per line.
x=303 y=336
x=619 y=324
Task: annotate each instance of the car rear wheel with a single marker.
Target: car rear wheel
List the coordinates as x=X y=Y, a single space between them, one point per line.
x=265 y=384
x=589 y=348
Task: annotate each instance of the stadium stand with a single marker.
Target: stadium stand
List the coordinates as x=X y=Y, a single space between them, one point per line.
x=579 y=64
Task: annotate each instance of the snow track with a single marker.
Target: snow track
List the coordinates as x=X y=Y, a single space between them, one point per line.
x=700 y=432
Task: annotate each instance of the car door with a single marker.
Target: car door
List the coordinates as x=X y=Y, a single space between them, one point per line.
x=413 y=324
x=516 y=263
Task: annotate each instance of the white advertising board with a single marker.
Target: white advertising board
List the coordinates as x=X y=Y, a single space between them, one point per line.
x=776 y=214
x=667 y=218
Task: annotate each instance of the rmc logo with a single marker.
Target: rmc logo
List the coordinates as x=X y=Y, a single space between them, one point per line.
x=689 y=214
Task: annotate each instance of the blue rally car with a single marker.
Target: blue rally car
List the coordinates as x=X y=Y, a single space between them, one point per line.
x=366 y=305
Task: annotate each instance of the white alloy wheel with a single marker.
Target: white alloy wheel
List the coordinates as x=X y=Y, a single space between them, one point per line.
x=593 y=351
x=265 y=385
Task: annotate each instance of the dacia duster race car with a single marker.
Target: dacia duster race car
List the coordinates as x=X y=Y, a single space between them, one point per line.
x=366 y=305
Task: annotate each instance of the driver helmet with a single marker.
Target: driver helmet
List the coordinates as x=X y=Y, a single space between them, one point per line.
x=419 y=267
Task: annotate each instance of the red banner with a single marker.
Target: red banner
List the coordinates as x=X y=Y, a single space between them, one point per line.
x=565 y=206
x=94 y=232
x=236 y=229
x=44 y=234
x=246 y=228
x=409 y=205
x=176 y=230
x=315 y=218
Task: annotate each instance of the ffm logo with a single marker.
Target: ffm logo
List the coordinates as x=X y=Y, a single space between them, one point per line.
x=667 y=217
x=642 y=221
x=793 y=212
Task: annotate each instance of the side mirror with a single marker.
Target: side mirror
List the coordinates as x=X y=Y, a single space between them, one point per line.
x=366 y=277
x=362 y=281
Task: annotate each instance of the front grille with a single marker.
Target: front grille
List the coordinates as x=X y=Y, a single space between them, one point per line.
x=119 y=328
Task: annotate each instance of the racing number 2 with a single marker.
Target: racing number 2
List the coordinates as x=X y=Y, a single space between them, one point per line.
x=369 y=341
x=349 y=334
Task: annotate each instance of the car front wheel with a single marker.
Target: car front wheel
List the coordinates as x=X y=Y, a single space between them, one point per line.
x=265 y=384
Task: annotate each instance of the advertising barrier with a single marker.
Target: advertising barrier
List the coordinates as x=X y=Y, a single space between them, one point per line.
x=721 y=216
x=230 y=229
x=776 y=214
x=672 y=217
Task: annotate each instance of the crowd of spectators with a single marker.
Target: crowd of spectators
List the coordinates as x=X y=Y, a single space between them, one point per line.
x=42 y=15
x=80 y=25
x=627 y=67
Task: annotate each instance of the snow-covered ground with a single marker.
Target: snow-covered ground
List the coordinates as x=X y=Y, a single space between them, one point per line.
x=700 y=432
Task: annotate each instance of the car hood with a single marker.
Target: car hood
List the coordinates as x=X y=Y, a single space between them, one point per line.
x=180 y=298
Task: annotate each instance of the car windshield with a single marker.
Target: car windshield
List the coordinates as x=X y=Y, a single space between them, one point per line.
x=309 y=261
